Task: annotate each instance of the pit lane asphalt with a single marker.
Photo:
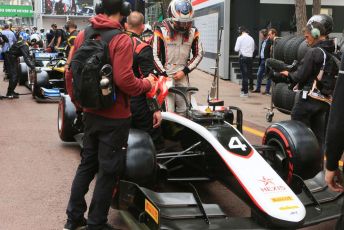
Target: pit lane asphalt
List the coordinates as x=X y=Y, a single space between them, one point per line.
x=37 y=169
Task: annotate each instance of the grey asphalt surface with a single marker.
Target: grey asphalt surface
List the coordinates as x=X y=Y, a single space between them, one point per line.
x=37 y=169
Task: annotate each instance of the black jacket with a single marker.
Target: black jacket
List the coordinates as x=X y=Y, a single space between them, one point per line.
x=335 y=129
x=21 y=48
x=267 y=50
x=311 y=64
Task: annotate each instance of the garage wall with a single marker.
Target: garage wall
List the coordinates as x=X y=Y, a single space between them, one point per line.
x=209 y=17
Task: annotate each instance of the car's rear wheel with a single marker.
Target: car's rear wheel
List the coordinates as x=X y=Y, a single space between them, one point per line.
x=65 y=119
x=297 y=150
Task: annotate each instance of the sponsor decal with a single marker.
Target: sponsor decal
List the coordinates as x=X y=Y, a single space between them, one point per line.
x=152 y=211
x=284 y=208
x=269 y=186
x=282 y=199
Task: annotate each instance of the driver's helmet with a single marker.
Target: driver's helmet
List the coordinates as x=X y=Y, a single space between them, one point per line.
x=325 y=20
x=34 y=38
x=181 y=14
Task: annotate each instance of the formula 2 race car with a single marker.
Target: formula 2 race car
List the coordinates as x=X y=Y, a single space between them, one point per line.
x=47 y=81
x=281 y=180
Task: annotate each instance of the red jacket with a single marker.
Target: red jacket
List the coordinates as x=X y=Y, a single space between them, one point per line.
x=121 y=56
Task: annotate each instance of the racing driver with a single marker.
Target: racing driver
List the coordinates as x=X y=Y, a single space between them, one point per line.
x=174 y=39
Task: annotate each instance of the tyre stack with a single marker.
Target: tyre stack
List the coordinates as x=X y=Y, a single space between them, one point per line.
x=287 y=49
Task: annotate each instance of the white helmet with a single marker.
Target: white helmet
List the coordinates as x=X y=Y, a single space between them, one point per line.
x=181 y=13
x=34 y=38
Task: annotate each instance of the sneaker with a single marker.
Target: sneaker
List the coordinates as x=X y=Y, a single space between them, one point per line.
x=266 y=93
x=12 y=96
x=15 y=93
x=256 y=91
x=80 y=225
x=244 y=95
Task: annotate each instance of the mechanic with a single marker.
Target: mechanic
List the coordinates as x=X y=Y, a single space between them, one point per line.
x=70 y=27
x=58 y=39
x=311 y=111
x=143 y=65
x=18 y=49
x=106 y=131
x=174 y=38
x=334 y=141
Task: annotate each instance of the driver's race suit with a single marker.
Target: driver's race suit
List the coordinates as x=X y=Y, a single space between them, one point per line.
x=171 y=50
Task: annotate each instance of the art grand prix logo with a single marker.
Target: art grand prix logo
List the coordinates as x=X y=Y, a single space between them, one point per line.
x=269 y=186
x=267 y=181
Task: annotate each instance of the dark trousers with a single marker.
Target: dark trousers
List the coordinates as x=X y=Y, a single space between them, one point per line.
x=5 y=56
x=142 y=118
x=260 y=76
x=314 y=114
x=246 y=72
x=12 y=73
x=104 y=148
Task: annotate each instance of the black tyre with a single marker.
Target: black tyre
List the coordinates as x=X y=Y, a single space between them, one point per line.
x=141 y=166
x=65 y=119
x=291 y=49
x=279 y=47
x=283 y=98
x=297 y=152
x=40 y=79
x=22 y=73
x=303 y=48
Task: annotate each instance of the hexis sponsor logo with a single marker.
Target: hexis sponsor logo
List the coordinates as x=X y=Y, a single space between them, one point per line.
x=270 y=186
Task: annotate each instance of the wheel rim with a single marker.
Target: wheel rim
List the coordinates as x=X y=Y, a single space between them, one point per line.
x=60 y=118
x=278 y=160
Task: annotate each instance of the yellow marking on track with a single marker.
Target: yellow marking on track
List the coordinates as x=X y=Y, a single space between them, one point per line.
x=253 y=131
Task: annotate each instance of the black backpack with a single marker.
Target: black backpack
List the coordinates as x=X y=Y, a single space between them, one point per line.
x=86 y=65
x=330 y=67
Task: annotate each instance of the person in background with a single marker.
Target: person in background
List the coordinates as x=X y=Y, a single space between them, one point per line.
x=18 y=49
x=70 y=27
x=58 y=39
x=245 y=46
x=11 y=40
x=264 y=53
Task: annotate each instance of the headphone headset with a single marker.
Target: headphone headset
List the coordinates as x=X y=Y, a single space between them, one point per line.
x=315 y=32
x=124 y=11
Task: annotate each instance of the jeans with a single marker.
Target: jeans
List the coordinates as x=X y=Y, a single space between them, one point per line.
x=246 y=71
x=104 y=149
x=260 y=76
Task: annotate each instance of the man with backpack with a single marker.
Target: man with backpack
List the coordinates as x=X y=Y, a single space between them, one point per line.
x=100 y=79
x=144 y=117
x=315 y=77
x=59 y=38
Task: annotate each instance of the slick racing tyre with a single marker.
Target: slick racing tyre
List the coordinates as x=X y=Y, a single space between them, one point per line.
x=283 y=98
x=40 y=79
x=297 y=150
x=141 y=163
x=291 y=49
x=280 y=47
x=22 y=73
x=65 y=119
x=303 y=48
